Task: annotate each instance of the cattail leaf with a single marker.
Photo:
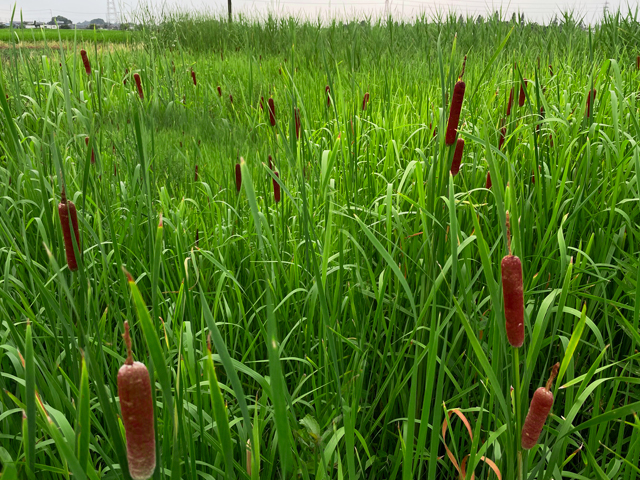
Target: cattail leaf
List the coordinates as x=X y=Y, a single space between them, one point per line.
x=573 y=344
x=10 y=471
x=153 y=342
x=221 y=417
x=228 y=365
x=392 y=264
x=30 y=401
x=494 y=383
x=83 y=420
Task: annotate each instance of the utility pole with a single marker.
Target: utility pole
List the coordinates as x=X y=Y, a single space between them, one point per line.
x=230 y=14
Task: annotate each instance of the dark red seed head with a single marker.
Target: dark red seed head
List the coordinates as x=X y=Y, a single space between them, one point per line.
x=510 y=104
x=298 y=122
x=539 y=410
x=219 y=91
x=93 y=155
x=513 y=295
x=276 y=188
x=196 y=176
x=136 y=77
x=457 y=157
x=523 y=96
x=365 y=100
x=66 y=211
x=487 y=185
x=590 y=96
x=85 y=60
x=270 y=163
x=136 y=403
x=503 y=133
x=231 y=98
x=327 y=91
x=272 y=112
x=238 y=177
x=193 y=77
x=454 y=112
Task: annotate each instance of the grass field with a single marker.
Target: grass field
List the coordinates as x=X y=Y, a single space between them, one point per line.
x=329 y=334
x=42 y=35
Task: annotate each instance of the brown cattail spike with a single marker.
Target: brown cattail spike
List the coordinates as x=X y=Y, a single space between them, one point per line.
x=85 y=60
x=136 y=77
x=539 y=410
x=365 y=100
x=513 y=294
x=523 y=95
x=238 y=177
x=297 y=122
x=510 y=104
x=457 y=157
x=67 y=211
x=134 y=392
x=272 y=112
x=454 y=112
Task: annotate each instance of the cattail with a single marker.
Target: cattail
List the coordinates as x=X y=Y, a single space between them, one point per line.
x=539 y=409
x=541 y=118
x=136 y=77
x=327 y=91
x=124 y=80
x=435 y=129
x=85 y=60
x=298 y=122
x=510 y=104
x=456 y=107
x=219 y=91
x=66 y=210
x=93 y=156
x=591 y=95
x=523 y=96
x=193 y=77
x=262 y=103
x=270 y=162
x=551 y=70
x=272 y=112
x=503 y=133
x=134 y=391
x=365 y=100
x=487 y=185
x=513 y=295
x=196 y=176
x=457 y=157
x=276 y=188
x=231 y=98
x=238 y=177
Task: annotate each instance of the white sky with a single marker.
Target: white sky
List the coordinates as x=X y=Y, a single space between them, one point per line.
x=538 y=10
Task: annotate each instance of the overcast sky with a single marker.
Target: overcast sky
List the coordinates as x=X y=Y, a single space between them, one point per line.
x=538 y=10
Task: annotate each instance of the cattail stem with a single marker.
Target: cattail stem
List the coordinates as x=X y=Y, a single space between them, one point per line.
x=508 y=231
x=127 y=341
